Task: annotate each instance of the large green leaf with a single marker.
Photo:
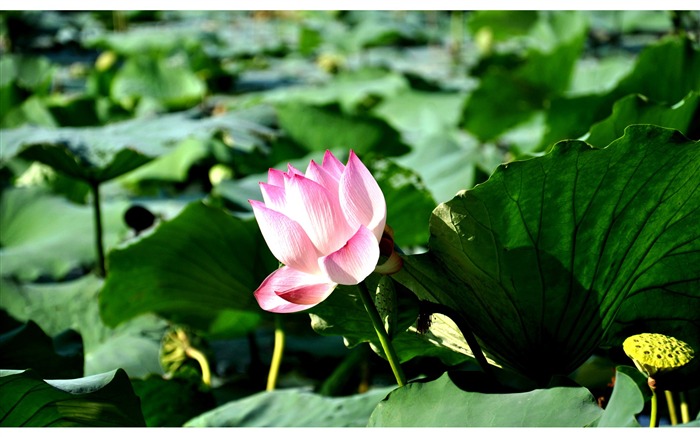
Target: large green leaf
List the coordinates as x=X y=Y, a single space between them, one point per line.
x=444 y=403
x=293 y=408
x=103 y=153
x=100 y=400
x=199 y=268
x=543 y=258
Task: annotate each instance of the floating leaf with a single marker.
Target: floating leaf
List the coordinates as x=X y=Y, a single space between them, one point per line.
x=443 y=403
x=284 y=408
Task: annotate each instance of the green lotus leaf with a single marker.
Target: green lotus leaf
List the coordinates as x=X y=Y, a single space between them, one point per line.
x=542 y=258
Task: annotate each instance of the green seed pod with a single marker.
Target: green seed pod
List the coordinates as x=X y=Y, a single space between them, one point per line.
x=654 y=353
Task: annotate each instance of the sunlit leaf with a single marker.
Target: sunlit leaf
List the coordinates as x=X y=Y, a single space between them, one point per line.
x=446 y=402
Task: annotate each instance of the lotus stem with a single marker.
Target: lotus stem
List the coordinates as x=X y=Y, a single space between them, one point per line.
x=671 y=407
x=376 y=319
x=685 y=411
x=654 y=409
x=203 y=363
x=277 y=353
x=101 y=268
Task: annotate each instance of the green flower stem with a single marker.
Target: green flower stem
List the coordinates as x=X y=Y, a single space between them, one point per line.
x=381 y=333
x=654 y=409
x=203 y=364
x=685 y=411
x=277 y=353
x=671 y=407
x=101 y=269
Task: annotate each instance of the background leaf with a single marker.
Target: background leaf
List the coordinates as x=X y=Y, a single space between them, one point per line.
x=44 y=234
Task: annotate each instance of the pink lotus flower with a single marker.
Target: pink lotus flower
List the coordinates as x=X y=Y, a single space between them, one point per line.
x=324 y=225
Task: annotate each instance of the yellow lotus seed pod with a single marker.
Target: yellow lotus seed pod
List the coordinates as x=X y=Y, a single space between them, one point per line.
x=653 y=353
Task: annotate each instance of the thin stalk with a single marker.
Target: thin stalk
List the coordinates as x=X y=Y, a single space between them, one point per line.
x=101 y=269
x=671 y=407
x=203 y=363
x=376 y=319
x=277 y=353
x=654 y=409
x=685 y=411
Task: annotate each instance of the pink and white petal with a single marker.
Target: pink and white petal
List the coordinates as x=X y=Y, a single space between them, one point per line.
x=279 y=281
x=353 y=262
x=318 y=212
x=273 y=196
x=318 y=174
x=332 y=165
x=291 y=170
x=286 y=239
x=275 y=177
x=361 y=198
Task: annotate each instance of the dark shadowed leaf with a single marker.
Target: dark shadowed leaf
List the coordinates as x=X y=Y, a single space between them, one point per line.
x=100 y=400
x=27 y=346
